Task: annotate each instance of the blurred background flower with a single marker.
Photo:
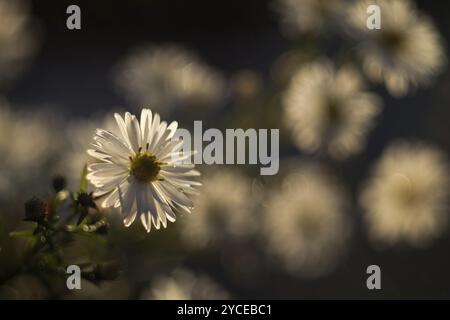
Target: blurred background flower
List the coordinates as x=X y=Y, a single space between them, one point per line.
x=28 y=149
x=406 y=52
x=19 y=37
x=408 y=194
x=184 y=285
x=306 y=223
x=299 y=17
x=222 y=210
x=168 y=76
x=328 y=110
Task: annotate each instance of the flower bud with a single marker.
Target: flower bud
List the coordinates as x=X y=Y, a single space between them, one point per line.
x=35 y=210
x=59 y=183
x=103 y=229
x=86 y=200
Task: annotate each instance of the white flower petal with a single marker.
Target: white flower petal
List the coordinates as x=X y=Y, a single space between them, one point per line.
x=153 y=129
x=146 y=120
x=170 y=192
x=128 y=220
x=170 y=147
x=133 y=131
x=145 y=222
x=127 y=197
x=122 y=127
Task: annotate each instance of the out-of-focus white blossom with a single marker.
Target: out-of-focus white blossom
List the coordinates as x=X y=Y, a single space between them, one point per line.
x=328 y=110
x=406 y=199
x=406 y=52
x=309 y=16
x=169 y=76
x=223 y=210
x=18 y=37
x=27 y=149
x=305 y=222
x=184 y=285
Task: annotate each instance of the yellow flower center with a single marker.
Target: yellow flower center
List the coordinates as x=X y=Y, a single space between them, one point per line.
x=144 y=167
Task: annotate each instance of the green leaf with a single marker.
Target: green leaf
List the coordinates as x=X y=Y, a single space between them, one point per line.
x=83 y=180
x=21 y=234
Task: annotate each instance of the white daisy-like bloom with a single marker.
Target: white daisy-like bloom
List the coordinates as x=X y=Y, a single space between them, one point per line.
x=18 y=38
x=222 y=211
x=305 y=222
x=142 y=170
x=184 y=285
x=308 y=16
x=406 y=52
x=406 y=199
x=327 y=109
x=169 y=76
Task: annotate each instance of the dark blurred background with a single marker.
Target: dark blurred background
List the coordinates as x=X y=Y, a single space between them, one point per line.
x=72 y=74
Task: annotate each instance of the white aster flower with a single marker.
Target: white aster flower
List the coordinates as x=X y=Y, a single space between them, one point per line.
x=308 y=16
x=406 y=200
x=222 y=211
x=305 y=222
x=184 y=285
x=328 y=110
x=142 y=170
x=169 y=76
x=406 y=51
